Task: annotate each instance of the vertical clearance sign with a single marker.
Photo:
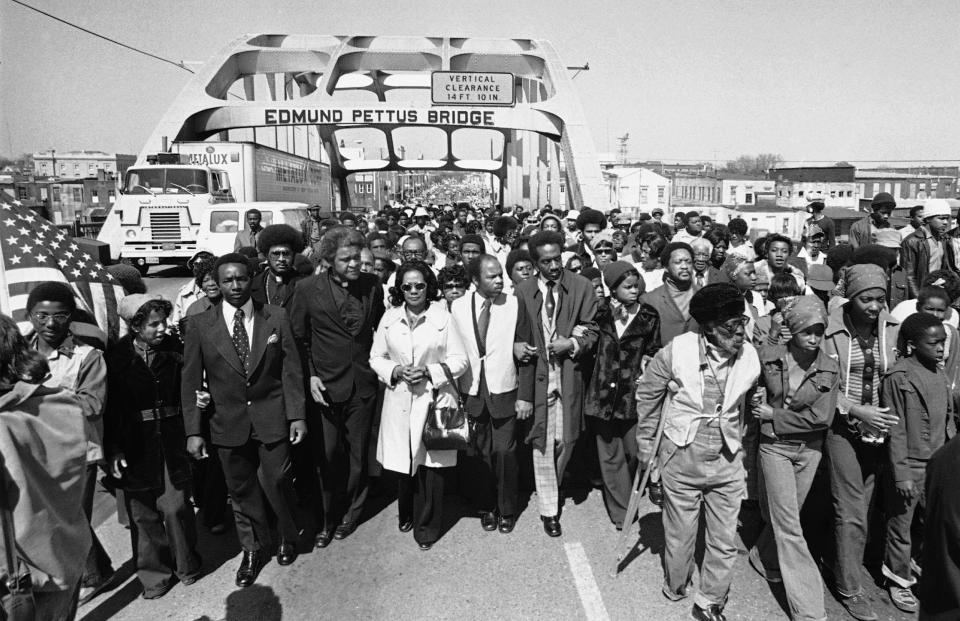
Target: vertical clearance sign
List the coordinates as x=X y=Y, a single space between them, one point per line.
x=472 y=88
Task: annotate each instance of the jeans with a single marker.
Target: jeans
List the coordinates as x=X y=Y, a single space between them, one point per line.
x=853 y=467
x=786 y=474
x=98 y=566
x=701 y=478
x=900 y=546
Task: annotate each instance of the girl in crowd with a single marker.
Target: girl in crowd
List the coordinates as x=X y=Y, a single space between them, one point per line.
x=770 y=326
x=147 y=446
x=800 y=383
x=628 y=333
x=721 y=241
x=862 y=336
x=416 y=354
x=453 y=283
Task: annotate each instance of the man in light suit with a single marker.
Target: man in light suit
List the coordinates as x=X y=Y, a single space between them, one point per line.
x=486 y=320
x=553 y=372
x=254 y=377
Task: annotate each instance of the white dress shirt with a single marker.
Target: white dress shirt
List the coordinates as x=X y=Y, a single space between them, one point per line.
x=229 y=311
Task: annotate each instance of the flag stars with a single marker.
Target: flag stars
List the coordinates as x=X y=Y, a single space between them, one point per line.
x=76 y=273
x=14 y=260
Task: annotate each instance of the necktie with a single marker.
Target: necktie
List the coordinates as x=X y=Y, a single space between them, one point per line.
x=699 y=280
x=240 y=342
x=621 y=312
x=551 y=304
x=484 y=322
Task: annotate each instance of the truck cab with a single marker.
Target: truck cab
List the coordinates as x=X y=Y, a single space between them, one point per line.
x=156 y=216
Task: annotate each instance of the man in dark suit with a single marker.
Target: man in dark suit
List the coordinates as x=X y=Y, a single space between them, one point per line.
x=280 y=243
x=486 y=320
x=255 y=380
x=552 y=372
x=334 y=316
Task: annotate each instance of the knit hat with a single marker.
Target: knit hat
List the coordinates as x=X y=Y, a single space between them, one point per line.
x=860 y=278
x=820 y=278
x=804 y=311
x=614 y=273
x=814 y=231
x=130 y=304
x=717 y=302
x=881 y=199
x=129 y=278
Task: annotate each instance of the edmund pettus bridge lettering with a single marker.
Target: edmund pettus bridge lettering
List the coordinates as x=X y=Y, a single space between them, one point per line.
x=297 y=116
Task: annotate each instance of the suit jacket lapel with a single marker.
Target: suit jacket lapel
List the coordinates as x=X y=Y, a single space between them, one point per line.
x=538 y=305
x=260 y=335
x=222 y=339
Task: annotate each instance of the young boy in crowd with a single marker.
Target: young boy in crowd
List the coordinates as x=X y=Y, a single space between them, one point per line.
x=917 y=391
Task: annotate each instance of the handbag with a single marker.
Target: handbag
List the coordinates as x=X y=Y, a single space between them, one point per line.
x=447 y=428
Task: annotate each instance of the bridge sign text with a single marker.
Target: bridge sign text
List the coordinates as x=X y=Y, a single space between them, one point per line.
x=472 y=88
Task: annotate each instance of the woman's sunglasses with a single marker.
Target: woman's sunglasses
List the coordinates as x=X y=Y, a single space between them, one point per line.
x=417 y=286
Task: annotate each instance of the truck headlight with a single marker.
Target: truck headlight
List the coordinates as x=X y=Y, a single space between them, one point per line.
x=131 y=234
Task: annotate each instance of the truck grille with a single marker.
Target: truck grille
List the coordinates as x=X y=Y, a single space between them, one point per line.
x=165 y=226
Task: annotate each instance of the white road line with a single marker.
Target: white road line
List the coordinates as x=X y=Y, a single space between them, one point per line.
x=586 y=584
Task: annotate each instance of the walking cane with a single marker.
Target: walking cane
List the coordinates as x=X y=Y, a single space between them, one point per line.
x=640 y=480
x=18 y=604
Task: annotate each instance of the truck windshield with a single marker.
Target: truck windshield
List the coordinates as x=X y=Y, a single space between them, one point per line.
x=161 y=180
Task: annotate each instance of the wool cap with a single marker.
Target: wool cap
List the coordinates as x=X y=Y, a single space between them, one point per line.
x=860 y=278
x=614 y=273
x=733 y=264
x=804 y=311
x=717 y=302
x=881 y=199
x=130 y=304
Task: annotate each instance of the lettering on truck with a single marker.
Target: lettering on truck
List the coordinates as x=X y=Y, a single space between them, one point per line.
x=209 y=159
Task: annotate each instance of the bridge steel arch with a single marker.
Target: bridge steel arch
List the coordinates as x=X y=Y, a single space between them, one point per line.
x=383 y=82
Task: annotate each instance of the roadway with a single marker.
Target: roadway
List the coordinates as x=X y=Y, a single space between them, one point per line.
x=379 y=573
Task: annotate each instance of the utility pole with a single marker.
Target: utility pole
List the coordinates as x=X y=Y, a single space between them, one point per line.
x=623 y=149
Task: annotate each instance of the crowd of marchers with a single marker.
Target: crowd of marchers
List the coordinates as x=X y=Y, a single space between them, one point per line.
x=804 y=390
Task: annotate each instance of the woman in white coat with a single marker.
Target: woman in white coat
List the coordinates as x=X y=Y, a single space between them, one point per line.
x=413 y=339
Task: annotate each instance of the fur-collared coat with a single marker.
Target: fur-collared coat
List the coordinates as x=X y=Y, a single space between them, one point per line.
x=610 y=394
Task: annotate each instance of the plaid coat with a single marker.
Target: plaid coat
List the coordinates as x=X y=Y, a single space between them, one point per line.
x=610 y=394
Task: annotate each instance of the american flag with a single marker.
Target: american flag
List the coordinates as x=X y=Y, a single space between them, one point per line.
x=32 y=250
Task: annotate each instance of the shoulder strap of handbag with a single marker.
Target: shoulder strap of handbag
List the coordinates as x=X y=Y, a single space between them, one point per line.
x=481 y=346
x=453 y=382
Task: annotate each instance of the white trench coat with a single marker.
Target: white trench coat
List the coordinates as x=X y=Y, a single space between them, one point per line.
x=405 y=408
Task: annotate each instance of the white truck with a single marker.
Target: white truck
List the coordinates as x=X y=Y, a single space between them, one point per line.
x=157 y=217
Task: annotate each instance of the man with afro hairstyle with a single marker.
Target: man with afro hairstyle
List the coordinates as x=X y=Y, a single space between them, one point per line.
x=280 y=244
x=590 y=222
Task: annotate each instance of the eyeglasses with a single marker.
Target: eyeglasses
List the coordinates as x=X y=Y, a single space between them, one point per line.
x=731 y=326
x=451 y=285
x=57 y=317
x=280 y=253
x=416 y=286
x=575 y=268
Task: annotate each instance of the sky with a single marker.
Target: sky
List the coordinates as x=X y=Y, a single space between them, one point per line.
x=812 y=81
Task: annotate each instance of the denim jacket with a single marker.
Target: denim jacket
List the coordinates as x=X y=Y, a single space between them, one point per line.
x=811 y=409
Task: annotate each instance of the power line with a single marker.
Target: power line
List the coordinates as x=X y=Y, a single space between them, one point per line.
x=100 y=36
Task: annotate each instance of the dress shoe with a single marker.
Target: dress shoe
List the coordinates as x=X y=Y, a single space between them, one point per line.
x=488 y=521
x=425 y=546
x=250 y=566
x=160 y=591
x=710 y=613
x=344 y=530
x=551 y=525
x=323 y=538
x=655 y=493
x=405 y=524
x=507 y=522
x=286 y=553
